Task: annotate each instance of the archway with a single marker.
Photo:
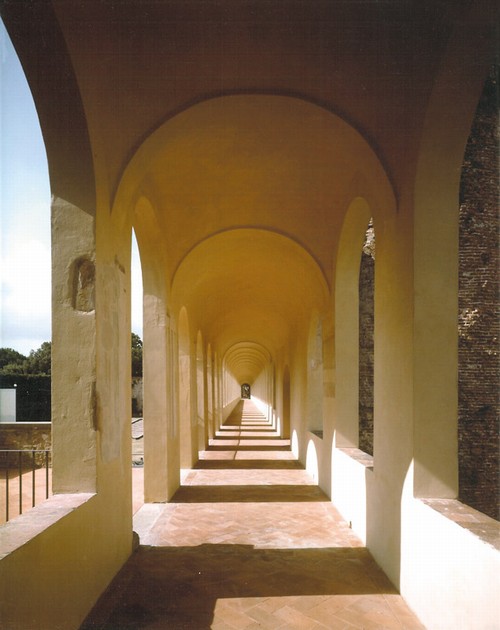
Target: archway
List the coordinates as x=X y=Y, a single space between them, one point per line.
x=285 y=430
x=161 y=431
x=478 y=319
x=347 y=322
x=366 y=340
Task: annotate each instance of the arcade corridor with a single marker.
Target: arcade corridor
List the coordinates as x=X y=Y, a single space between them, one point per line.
x=248 y=541
x=251 y=146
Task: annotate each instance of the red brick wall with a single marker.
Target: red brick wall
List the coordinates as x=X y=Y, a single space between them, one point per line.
x=478 y=325
x=366 y=330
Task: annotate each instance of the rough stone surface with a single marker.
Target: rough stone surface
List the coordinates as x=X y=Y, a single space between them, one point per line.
x=366 y=346
x=84 y=285
x=24 y=436
x=478 y=324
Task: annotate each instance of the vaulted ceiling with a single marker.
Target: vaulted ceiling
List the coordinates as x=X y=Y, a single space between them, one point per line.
x=249 y=125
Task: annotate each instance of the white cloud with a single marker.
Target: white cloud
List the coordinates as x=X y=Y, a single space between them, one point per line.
x=25 y=299
x=25 y=266
x=25 y=296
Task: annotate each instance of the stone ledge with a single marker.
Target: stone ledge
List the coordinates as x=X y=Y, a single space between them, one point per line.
x=317 y=432
x=26 y=435
x=484 y=527
x=22 y=423
x=359 y=456
x=20 y=530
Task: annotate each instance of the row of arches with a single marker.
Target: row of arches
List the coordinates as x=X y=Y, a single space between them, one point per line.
x=250 y=210
x=250 y=287
x=354 y=308
x=84 y=278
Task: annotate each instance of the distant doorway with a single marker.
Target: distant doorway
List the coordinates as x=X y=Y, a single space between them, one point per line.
x=245 y=391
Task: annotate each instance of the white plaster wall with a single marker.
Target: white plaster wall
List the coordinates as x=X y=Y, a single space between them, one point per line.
x=231 y=389
x=58 y=557
x=261 y=405
x=314 y=456
x=74 y=381
x=261 y=394
x=449 y=576
x=349 y=488
x=228 y=409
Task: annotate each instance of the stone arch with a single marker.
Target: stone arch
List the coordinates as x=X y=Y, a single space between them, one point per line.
x=478 y=314
x=161 y=465
x=71 y=176
x=69 y=155
x=447 y=125
x=366 y=340
x=246 y=361
x=347 y=322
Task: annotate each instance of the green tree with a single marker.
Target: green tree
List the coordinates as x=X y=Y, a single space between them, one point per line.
x=11 y=359
x=39 y=361
x=14 y=368
x=136 y=355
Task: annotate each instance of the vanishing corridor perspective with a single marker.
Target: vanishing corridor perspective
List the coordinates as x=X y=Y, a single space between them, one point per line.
x=293 y=172
x=248 y=541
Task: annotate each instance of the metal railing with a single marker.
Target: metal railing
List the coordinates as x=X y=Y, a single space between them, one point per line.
x=137 y=445
x=137 y=460
x=21 y=462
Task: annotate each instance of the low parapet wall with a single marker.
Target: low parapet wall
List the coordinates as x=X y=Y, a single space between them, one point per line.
x=26 y=435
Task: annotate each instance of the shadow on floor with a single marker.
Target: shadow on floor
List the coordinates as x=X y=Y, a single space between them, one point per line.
x=248 y=494
x=268 y=438
x=179 y=587
x=272 y=553
x=247 y=464
x=244 y=447
x=248 y=429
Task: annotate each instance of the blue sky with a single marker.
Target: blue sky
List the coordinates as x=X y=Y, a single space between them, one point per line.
x=25 y=217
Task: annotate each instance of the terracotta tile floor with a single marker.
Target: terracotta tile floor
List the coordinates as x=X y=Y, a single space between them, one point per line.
x=248 y=542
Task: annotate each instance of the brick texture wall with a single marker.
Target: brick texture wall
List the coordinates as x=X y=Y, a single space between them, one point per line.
x=479 y=317
x=366 y=323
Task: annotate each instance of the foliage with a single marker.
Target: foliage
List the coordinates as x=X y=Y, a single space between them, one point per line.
x=136 y=355
x=39 y=361
x=31 y=377
x=11 y=358
x=14 y=368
